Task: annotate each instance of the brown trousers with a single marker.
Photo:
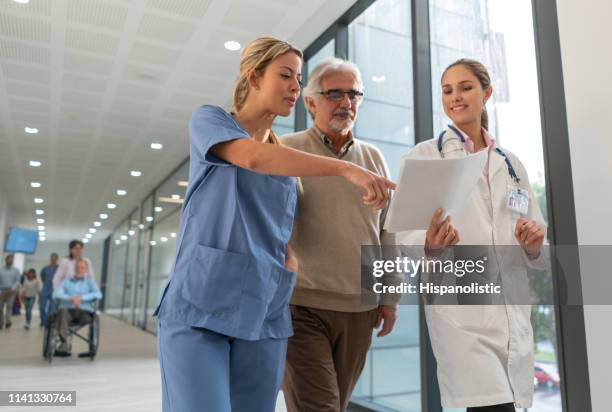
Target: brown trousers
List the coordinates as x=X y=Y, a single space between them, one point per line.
x=325 y=357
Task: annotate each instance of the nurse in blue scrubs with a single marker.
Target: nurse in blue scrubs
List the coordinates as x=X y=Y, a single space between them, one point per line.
x=223 y=319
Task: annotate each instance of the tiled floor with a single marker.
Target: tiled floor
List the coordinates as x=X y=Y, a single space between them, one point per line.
x=123 y=377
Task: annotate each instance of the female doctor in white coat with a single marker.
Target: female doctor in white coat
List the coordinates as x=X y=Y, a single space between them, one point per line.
x=484 y=353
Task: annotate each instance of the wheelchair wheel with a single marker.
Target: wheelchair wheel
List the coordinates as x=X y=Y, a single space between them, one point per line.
x=94 y=336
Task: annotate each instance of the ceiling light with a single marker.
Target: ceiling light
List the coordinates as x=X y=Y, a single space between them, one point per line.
x=40 y=212
x=117 y=242
x=35 y=163
x=92 y=230
x=103 y=216
x=42 y=239
x=153 y=243
x=149 y=219
x=42 y=234
x=232 y=45
x=121 y=192
x=97 y=224
x=157 y=146
x=30 y=130
x=41 y=228
x=163 y=199
x=111 y=205
x=136 y=173
x=163 y=239
x=40 y=221
x=124 y=237
x=379 y=79
x=22 y=1
x=131 y=232
x=38 y=200
x=172 y=234
x=183 y=183
x=88 y=235
x=34 y=184
x=175 y=197
x=159 y=209
x=141 y=226
x=85 y=240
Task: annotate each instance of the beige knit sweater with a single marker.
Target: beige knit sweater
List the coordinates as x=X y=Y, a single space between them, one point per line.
x=331 y=225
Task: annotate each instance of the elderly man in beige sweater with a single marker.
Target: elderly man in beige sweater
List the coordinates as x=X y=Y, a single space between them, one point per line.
x=332 y=323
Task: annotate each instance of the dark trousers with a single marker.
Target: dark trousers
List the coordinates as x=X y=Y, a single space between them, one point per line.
x=505 y=407
x=66 y=316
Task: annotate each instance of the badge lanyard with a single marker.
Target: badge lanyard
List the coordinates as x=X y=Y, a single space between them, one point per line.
x=518 y=200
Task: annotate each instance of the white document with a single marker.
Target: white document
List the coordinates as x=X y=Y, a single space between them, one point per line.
x=427 y=184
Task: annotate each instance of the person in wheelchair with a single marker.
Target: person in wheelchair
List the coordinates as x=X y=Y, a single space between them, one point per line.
x=75 y=296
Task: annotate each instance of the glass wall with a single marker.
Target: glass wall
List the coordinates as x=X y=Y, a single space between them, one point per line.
x=325 y=51
x=117 y=270
x=380 y=44
x=163 y=248
x=130 y=269
x=142 y=252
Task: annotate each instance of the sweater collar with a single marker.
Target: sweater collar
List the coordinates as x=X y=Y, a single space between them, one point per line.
x=330 y=145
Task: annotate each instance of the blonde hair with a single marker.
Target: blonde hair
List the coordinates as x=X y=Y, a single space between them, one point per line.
x=255 y=57
x=482 y=74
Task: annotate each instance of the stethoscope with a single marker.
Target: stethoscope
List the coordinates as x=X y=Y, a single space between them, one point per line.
x=499 y=151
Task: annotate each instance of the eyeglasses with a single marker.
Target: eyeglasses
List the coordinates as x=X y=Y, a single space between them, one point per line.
x=336 y=95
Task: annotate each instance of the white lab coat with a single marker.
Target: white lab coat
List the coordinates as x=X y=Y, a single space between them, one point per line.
x=484 y=353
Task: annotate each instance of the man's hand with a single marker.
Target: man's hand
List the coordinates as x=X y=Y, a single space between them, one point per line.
x=76 y=301
x=291 y=262
x=386 y=316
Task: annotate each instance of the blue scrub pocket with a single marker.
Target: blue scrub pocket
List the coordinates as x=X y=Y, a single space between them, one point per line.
x=215 y=279
x=283 y=289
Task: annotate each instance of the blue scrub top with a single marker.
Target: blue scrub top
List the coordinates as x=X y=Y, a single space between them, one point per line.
x=229 y=274
x=47 y=277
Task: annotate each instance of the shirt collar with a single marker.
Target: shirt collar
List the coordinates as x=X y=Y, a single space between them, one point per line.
x=330 y=145
x=469 y=144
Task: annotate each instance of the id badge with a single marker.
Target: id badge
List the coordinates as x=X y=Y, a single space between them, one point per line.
x=518 y=201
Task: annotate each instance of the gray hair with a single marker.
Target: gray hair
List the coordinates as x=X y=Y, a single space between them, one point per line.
x=325 y=67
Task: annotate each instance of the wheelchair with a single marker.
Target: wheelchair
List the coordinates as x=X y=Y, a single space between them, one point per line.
x=51 y=334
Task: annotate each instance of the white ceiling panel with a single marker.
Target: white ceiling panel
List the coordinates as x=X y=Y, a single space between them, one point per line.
x=97 y=13
x=103 y=79
x=24 y=28
x=26 y=73
x=194 y=9
x=39 y=7
x=24 y=52
x=92 y=41
x=252 y=17
x=25 y=105
x=76 y=62
x=27 y=90
x=153 y=54
x=165 y=29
